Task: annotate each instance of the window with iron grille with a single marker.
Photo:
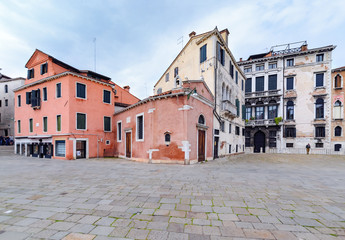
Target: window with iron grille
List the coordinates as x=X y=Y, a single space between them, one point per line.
x=319 y=80
x=319 y=145
x=140 y=127
x=289 y=145
x=320 y=131
x=290 y=132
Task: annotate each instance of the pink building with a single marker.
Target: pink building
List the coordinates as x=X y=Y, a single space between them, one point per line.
x=171 y=127
x=63 y=112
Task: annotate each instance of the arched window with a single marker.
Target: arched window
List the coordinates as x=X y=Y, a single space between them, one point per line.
x=337 y=131
x=319 y=108
x=159 y=91
x=290 y=110
x=337 y=110
x=201 y=120
x=167 y=137
x=227 y=93
x=272 y=109
x=6 y=88
x=337 y=81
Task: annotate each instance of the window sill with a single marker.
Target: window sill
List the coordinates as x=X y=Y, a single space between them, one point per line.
x=320 y=87
x=338 y=88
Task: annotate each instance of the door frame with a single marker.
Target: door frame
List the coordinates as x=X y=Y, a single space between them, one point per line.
x=264 y=141
x=128 y=131
x=75 y=147
x=197 y=143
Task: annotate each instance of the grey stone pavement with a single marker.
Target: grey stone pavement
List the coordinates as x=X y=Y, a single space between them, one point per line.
x=242 y=197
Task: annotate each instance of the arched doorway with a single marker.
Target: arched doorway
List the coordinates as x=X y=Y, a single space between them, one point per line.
x=259 y=142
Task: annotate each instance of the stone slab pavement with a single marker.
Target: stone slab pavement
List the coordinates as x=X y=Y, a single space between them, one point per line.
x=252 y=196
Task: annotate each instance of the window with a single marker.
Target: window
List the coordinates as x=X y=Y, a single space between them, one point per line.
x=337 y=110
x=44 y=68
x=289 y=110
x=19 y=98
x=272 y=65
x=31 y=125
x=259 y=84
x=107 y=142
x=31 y=73
x=272 y=111
x=106 y=96
x=0 y=103
x=319 y=145
x=248 y=69
x=159 y=91
x=247 y=139
x=337 y=131
x=28 y=97
x=81 y=121
x=289 y=145
x=221 y=54
x=232 y=70
x=58 y=90
x=222 y=126
x=45 y=94
x=45 y=124
x=320 y=131
x=58 y=123
x=216 y=131
x=238 y=107
x=81 y=90
x=259 y=112
x=201 y=120
x=167 y=77
x=229 y=148
x=319 y=80
x=35 y=98
x=243 y=112
x=337 y=81
x=289 y=83
x=175 y=72
x=6 y=102
x=237 y=130
x=319 y=108
x=272 y=82
x=242 y=86
x=289 y=62
x=6 y=88
x=273 y=139
x=248 y=112
x=337 y=147
x=236 y=77
x=260 y=67
x=203 y=55
x=248 y=85
x=319 y=57
x=140 y=127
x=229 y=127
x=290 y=132
x=167 y=138
x=107 y=124
x=18 y=127
x=60 y=148
x=119 y=131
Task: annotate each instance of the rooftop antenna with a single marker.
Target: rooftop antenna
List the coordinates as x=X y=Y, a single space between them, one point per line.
x=94 y=44
x=180 y=41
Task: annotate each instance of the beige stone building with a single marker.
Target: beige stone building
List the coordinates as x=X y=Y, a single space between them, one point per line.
x=207 y=57
x=337 y=106
x=293 y=83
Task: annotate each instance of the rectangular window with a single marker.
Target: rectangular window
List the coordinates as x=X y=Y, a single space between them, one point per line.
x=119 y=131
x=259 y=84
x=229 y=148
x=81 y=90
x=248 y=85
x=289 y=83
x=0 y=103
x=319 y=58
x=259 y=112
x=247 y=140
x=28 y=97
x=272 y=65
x=31 y=125
x=229 y=127
x=248 y=69
x=175 y=72
x=318 y=145
x=81 y=121
x=107 y=124
x=231 y=69
x=237 y=130
x=248 y=112
x=272 y=82
x=60 y=148
x=45 y=124
x=289 y=145
x=289 y=62
x=243 y=131
x=140 y=127
x=273 y=139
x=106 y=96
x=19 y=98
x=222 y=126
x=58 y=123
x=242 y=86
x=58 y=90
x=31 y=73
x=272 y=112
x=44 y=68
x=6 y=102
x=260 y=67
x=319 y=80
x=203 y=55
x=45 y=94
x=167 y=77
x=290 y=132
x=236 y=77
x=320 y=131
x=221 y=54
x=18 y=127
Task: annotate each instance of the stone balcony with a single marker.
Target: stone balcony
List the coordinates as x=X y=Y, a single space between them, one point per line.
x=261 y=122
x=263 y=94
x=229 y=109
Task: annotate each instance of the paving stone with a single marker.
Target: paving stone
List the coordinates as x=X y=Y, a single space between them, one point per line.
x=41 y=214
x=231 y=232
x=231 y=217
x=59 y=235
x=208 y=230
x=47 y=233
x=122 y=223
x=254 y=233
x=198 y=237
x=82 y=228
x=202 y=209
x=177 y=236
x=120 y=231
x=292 y=228
x=41 y=224
x=157 y=225
x=79 y=236
x=138 y=233
x=102 y=230
x=198 y=215
x=7 y=235
x=180 y=220
x=248 y=218
x=105 y=221
x=201 y=222
x=61 y=226
x=26 y=221
x=176 y=227
x=89 y=219
x=193 y=229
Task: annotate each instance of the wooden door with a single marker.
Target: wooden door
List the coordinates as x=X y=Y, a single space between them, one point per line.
x=128 y=144
x=201 y=146
x=81 y=149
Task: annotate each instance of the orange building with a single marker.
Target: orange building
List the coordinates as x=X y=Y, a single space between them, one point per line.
x=123 y=98
x=63 y=112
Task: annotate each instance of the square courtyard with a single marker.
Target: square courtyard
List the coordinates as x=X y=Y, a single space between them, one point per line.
x=252 y=196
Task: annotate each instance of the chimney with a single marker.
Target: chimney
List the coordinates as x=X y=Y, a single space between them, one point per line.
x=192 y=34
x=225 y=35
x=240 y=59
x=126 y=88
x=304 y=47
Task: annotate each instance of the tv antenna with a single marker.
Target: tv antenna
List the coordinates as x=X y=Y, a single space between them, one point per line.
x=180 y=41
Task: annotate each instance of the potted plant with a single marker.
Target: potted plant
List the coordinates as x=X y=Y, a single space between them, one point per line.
x=277 y=120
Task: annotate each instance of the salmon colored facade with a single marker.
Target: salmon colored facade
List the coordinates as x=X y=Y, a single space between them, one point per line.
x=171 y=127
x=62 y=112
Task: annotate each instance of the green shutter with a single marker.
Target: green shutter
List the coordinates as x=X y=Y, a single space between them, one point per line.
x=243 y=112
x=238 y=107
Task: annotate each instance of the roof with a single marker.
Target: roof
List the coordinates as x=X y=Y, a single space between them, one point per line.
x=339 y=69
x=11 y=79
x=256 y=56
x=127 y=92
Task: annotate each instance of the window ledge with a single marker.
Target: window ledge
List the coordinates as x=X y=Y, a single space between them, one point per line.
x=338 y=88
x=321 y=87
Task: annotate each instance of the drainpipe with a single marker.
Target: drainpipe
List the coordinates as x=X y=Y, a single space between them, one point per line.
x=283 y=112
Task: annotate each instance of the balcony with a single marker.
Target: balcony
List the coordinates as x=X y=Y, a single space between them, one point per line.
x=263 y=94
x=261 y=122
x=229 y=109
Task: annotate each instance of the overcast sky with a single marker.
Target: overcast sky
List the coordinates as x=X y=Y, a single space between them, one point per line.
x=137 y=39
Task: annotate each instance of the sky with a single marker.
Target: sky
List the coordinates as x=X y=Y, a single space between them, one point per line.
x=136 y=40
